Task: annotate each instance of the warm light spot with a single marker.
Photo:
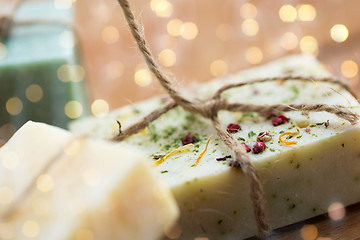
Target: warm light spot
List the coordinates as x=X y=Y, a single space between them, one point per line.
x=164 y=9
x=114 y=69
x=3 y=51
x=218 y=68
x=6 y=231
x=99 y=107
x=45 y=183
x=31 y=229
x=7 y=195
x=167 y=58
x=339 y=33
x=143 y=77
x=91 y=177
x=67 y=40
x=189 y=30
x=154 y=3
x=10 y=160
x=34 y=93
x=306 y=12
x=73 y=146
x=84 y=234
x=309 y=232
x=172 y=231
x=254 y=55
x=287 y=13
x=110 y=34
x=224 y=32
x=248 y=10
x=336 y=211
x=250 y=27
x=73 y=109
x=289 y=41
x=14 y=106
x=308 y=45
x=41 y=206
x=62 y=4
x=349 y=68
x=174 y=27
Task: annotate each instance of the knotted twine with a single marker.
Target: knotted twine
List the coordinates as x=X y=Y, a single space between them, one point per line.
x=7 y=22
x=210 y=107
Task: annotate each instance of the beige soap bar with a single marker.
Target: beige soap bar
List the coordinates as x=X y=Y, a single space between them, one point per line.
x=300 y=181
x=91 y=189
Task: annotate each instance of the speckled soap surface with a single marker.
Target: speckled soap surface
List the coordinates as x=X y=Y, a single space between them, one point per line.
x=300 y=180
x=40 y=70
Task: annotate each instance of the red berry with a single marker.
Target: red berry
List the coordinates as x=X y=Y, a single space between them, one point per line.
x=258 y=147
x=188 y=139
x=247 y=148
x=279 y=120
x=233 y=128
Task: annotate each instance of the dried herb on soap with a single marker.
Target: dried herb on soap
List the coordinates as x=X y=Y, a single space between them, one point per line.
x=290 y=134
x=223 y=158
x=201 y=154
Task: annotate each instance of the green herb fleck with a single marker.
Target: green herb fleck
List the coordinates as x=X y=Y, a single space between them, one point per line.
x=272 y=150
x=241 y=139
x=220 y=221
x=251 y=134
x=281 y=132
x=320 y=123
x=298 y=137
x=165 y=171
x=343 y=145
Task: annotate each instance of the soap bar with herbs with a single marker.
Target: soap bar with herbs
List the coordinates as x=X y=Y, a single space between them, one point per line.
x=54 y=185
x=310 y=159
x=41 y=77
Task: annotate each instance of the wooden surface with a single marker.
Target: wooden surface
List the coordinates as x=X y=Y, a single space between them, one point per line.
x=323 y=228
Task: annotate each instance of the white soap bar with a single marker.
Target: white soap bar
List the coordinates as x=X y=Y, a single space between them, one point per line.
x=91 y=189
x=300 y=180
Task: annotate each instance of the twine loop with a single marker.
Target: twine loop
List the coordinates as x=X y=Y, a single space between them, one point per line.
x=209 y=108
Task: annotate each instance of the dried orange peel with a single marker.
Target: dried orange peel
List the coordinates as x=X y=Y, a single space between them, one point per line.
x=202 y=153
x=185 y=148
x=291 y=134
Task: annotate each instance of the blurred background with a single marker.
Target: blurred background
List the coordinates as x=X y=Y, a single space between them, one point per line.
x=199 y=40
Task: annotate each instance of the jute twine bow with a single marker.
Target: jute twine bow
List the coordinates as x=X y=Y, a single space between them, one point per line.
x=7 y=22
x=209 y=108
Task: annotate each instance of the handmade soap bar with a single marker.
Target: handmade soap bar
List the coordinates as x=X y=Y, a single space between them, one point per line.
x=300 y=180
x=41 y=78
x=54 y=185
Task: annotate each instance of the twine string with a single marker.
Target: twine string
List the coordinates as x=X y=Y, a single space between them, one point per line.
x=209 y=108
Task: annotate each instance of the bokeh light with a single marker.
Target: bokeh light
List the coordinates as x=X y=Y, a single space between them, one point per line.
x=163 y=8
x=14 y=106
x=336 y=211
x=253 y=55
x=74 y=73
x=100 y=107
x=143 y=77
x=31 y=229
x=34 y=93
x=45 y=183
x=306 y=12
x=174 y=27
x=289 y=41
x=167 y=58
x=248 y=10
x=189 y=30
x=250 y=27
x=218 y=68
x=287 y=13
x=62 y=4
x=110 y=34
x=309 y=232
x=349 y=69
x=339 y=33
x=73 y=109
x=308 y=45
